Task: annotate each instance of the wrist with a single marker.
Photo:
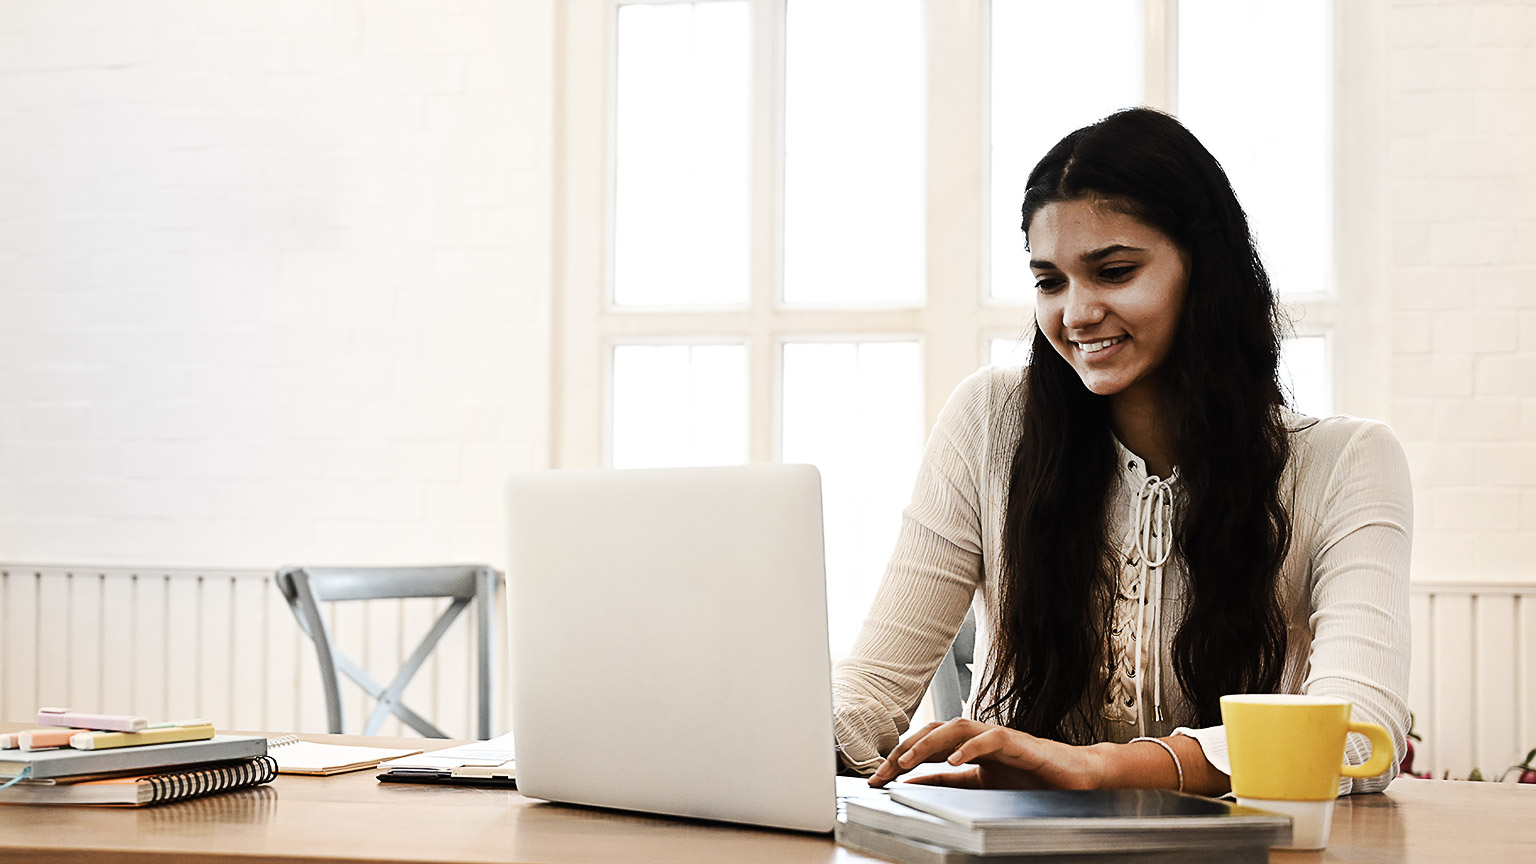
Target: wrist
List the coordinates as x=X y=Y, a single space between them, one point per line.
x=1116 y=765
x=1145 y=763
x=1173 y=756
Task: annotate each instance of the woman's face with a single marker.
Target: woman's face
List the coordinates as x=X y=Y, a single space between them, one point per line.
x=1108 y=293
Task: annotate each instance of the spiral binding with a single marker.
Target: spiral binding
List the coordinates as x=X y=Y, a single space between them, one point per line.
x=201 y=781
x=250 y=805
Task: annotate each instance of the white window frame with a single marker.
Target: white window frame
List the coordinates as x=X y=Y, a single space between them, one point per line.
x=958 y=316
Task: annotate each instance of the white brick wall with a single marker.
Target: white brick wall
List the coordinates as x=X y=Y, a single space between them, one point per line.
x=1462 y=184
x=273 y=277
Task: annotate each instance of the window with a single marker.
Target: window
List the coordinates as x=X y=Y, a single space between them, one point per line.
x=788 y=228
x=1278 y=113
x=682 y=146
x=1030 y=110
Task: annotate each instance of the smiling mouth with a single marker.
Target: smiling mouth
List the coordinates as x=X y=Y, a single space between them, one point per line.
x=1096 y=347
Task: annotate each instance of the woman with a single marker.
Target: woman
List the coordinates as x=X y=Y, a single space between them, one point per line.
x=1143 y=524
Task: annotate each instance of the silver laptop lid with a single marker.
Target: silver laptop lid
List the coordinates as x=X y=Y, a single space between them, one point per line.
x=669 y=642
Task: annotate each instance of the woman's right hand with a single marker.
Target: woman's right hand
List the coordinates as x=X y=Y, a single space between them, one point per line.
x=1004 y=759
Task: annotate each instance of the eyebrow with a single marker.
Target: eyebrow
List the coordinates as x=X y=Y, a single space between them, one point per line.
x=1089 y=257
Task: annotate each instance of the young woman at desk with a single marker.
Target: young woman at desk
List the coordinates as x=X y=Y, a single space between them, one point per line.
x=1143 y=523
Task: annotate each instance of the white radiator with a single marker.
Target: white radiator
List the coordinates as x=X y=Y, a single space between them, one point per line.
x=217 y=644
x=222 y=645
x=1473 y=693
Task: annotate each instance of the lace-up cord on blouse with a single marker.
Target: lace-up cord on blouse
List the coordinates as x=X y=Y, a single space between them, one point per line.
x=1152 y=521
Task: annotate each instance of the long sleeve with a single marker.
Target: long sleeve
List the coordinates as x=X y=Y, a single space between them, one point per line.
x=1360 y=623
x=1358 y=619
x=928 y=585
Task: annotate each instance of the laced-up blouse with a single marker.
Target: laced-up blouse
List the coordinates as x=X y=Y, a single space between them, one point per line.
x=1343 y=586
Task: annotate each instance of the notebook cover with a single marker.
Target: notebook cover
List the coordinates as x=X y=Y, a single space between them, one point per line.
x=308 y=757
x=68 y=762
x=909 y=851
x=995 y=821
x=989 y=807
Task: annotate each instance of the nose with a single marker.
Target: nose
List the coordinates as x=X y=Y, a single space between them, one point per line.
x=1082 y=308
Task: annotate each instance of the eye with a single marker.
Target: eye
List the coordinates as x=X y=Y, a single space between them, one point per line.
x=1049 y=284
x=1117 y=273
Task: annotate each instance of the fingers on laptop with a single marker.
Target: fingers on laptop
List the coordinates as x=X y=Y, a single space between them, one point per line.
x=933 y=743
x=890 y=769
x=1006 y=757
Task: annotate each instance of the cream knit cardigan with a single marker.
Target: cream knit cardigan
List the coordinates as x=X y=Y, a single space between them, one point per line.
x=1344 y=585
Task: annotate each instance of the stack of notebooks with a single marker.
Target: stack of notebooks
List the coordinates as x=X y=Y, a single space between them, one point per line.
x=135 y=776
x=81 y=758
x=937 y=825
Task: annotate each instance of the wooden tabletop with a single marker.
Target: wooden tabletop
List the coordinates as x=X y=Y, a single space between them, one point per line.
x=355 y=818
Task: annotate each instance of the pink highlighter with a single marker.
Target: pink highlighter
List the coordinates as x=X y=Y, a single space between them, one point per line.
x=43 y=739
x=80 y=720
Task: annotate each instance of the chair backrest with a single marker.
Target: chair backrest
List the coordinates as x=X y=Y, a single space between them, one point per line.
x=305 y=588
x=951 y=684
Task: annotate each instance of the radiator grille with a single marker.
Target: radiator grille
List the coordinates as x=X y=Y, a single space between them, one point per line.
x=1474 y=652
x=216 y=644
x=222 y=645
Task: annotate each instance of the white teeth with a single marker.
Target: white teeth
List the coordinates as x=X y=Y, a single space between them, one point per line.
x=1095 y=347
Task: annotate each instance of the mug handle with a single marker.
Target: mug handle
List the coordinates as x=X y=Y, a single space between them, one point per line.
x=1381 y=751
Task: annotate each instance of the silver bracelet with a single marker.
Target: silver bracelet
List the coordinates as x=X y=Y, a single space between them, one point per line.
x=1177 y=765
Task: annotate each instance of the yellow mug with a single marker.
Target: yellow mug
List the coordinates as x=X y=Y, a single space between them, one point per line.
x=1291 y=748
x=1287 y=754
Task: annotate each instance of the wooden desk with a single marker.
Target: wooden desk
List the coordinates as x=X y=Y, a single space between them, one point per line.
x=354 y=818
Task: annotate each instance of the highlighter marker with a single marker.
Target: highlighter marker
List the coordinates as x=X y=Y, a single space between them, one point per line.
x=43 y=739
x=82 y=720
x=161 y=733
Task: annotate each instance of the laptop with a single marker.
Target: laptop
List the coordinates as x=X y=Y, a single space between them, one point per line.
x=669 y=642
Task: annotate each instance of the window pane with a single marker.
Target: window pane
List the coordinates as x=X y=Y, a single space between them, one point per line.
x=1010 y=351
x=1304 y=367
x=1055 y=67
x=1270 y=125
x=854 y=176
x=679 y=405
x=855 y=411
x=683 y=154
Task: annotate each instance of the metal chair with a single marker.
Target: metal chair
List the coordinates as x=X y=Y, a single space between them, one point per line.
x=305 y=588
x=951 y=684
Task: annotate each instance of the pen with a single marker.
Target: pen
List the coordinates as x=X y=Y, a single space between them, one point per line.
x=159 y=733
x=43 y=739
x=81 y=720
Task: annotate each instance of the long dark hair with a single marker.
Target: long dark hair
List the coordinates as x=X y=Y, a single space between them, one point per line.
x=1058 y=571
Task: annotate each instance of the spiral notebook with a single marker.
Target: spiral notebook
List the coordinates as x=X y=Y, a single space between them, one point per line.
x=139 y=791
x=308 y=757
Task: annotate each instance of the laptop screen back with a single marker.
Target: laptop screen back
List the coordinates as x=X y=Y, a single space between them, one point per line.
x=669 y=642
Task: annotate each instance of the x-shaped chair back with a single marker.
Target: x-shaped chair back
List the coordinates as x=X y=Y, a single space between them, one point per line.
x=305 y=588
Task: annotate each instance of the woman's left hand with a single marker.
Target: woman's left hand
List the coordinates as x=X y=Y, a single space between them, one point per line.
x=1003 y=758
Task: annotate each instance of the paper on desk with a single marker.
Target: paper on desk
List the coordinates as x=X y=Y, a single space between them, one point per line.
x=491 y=753
x=308 y=757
